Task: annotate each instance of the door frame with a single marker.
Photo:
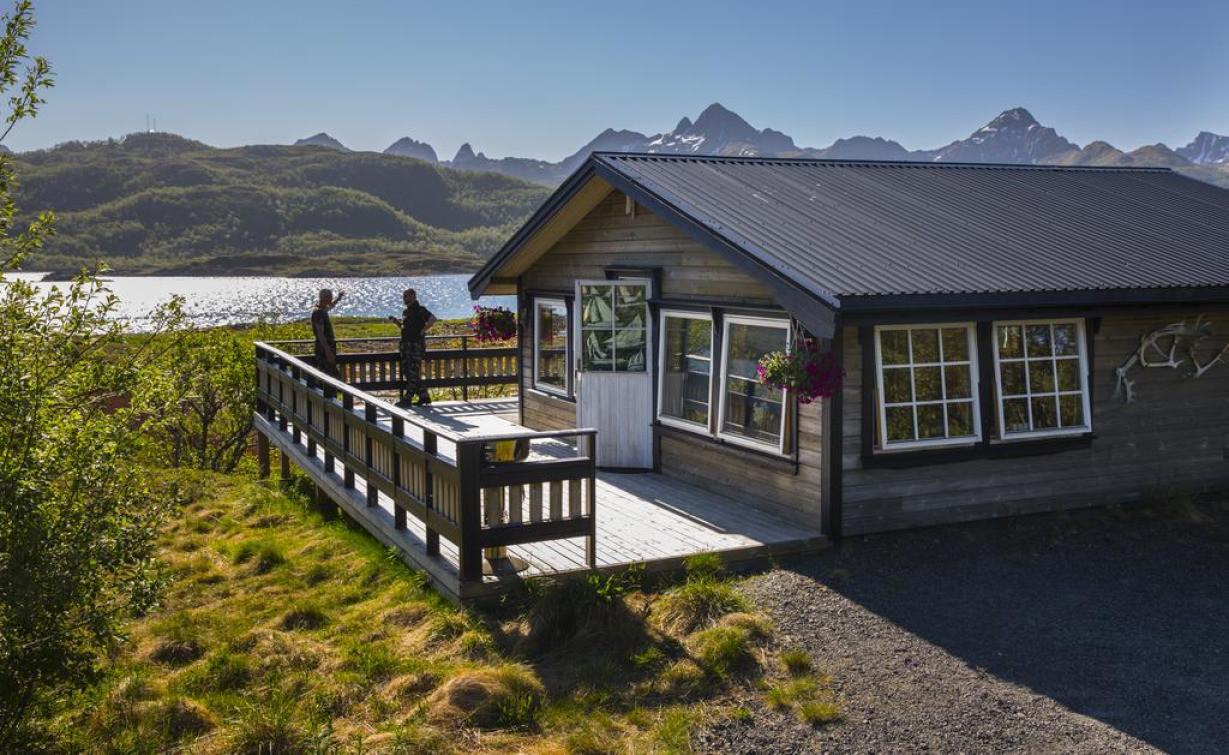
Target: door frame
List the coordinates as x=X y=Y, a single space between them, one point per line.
x=650 y=357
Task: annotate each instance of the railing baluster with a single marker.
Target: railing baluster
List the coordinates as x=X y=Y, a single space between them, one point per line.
x=514 y=504
x=556 y=500
x=535 y=502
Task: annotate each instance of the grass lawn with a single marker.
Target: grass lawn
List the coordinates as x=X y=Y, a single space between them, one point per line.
x=282 y=632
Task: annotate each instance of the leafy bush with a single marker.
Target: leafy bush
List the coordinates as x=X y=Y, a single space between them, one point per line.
x=77 y=525
x=198 y=398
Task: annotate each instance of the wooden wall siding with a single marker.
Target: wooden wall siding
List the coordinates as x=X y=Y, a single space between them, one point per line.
x=1175 y=436
x=794 y=491
x=607 y=237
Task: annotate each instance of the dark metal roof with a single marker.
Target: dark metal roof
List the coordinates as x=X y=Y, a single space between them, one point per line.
x=841 y=230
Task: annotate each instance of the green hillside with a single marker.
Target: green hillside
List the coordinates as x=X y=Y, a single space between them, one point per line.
x=159 y=203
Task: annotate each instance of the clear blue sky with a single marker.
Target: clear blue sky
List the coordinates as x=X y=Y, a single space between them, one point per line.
x=539 y=79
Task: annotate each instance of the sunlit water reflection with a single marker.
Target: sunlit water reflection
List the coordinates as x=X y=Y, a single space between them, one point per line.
x=235 y=300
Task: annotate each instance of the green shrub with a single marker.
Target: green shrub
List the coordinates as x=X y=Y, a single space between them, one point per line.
x=586 y=612
x=795 y=661
x=304 y=616
x=267 y=726
x=262 y=554
x=703 y=566
x=373 y=661
x=223 y=671
x=724 y=651
x=820 y=712
x=507 y=697
x=697 y=603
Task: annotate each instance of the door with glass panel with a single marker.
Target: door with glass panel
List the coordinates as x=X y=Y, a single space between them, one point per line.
x=613 y=370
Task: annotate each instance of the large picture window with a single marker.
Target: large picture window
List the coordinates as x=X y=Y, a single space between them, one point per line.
x=550 y=358
x=927 y=385
x=1041 y=377
x=751 y=413
x=685 y=390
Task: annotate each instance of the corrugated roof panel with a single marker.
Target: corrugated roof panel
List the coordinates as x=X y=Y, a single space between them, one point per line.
x=866 y=228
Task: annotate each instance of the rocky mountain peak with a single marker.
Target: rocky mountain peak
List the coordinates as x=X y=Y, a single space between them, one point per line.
x=1013 y=136
x=1207 y=149
x=465 y=154
x=407 y=147
x=321 y=140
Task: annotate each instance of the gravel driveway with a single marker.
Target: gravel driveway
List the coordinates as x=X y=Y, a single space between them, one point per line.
x=1091 y=632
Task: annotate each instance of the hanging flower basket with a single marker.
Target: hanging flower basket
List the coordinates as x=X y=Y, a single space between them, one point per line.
x=803 y=370
x=493 y=324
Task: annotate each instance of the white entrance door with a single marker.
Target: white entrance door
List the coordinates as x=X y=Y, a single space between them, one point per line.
x=614 y=390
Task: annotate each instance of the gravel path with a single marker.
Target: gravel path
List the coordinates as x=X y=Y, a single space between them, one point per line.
x=1090 y=632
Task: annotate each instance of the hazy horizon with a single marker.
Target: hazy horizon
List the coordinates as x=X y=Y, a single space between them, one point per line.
x=542 y=82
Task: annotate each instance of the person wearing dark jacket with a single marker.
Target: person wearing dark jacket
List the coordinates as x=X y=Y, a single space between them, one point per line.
x=322 y=331
x=415 y=321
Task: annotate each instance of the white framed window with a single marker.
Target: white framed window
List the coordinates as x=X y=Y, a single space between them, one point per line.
x=927 y=384
x=751 y=414
x=1041 y=373
x=550 y=346
x=685 y=377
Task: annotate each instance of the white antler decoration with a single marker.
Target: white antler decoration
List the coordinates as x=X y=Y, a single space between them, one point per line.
x=1176 y=333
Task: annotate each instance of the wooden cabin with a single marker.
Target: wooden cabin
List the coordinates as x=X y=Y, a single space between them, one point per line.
x=1014 y=338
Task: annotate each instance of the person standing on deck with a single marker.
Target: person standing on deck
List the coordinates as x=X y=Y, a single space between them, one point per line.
x=322 y=331
x=415 y=321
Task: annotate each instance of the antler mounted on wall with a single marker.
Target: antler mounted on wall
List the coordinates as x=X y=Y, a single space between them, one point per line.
x=1160 y=349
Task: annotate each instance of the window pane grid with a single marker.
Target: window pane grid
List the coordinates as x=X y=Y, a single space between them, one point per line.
x=939 y=404
x=1048 y=390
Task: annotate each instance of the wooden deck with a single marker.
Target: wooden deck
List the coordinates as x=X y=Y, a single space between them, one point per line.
x=642 y=518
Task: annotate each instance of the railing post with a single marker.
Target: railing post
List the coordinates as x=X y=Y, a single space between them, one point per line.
x=347 y=405
x=469 y=465
x=464 y=368
x=591 y=494
x=369 y=416
x=398 y=511
x=430 y=446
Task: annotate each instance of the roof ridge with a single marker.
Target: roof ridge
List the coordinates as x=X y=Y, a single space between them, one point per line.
x=823 y=161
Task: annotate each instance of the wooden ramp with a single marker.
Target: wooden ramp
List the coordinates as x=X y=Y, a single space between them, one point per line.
x=642 y=518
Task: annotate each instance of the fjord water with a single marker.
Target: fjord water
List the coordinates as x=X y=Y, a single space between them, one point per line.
x=225 y=300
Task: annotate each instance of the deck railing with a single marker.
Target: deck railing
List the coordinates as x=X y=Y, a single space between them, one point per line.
x=378 y=367
x=444 y=479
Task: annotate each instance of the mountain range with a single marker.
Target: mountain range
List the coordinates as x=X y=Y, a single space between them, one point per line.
x=1013 y=137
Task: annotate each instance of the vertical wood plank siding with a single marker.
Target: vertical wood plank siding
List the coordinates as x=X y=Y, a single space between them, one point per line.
x=609 y=237
x=1172 y=438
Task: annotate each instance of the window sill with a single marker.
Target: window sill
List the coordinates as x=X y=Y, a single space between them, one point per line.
x=1017 y=448
x=777 y=461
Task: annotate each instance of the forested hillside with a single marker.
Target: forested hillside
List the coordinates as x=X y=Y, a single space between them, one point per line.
x=159 y=203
